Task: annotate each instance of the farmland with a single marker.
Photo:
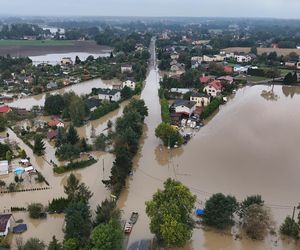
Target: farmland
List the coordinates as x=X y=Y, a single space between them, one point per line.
x=279 y=51
x=36 y=43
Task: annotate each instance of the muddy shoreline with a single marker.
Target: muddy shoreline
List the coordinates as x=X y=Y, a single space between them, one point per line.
x=38 y=50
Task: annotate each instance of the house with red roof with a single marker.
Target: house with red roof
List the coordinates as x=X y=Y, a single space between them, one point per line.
x=228 y=69
x=56 y=123
x=5 y=224
x=226 y=79
x=204 y=79
x=51 y=134
x=4 y=109
x=213 y=88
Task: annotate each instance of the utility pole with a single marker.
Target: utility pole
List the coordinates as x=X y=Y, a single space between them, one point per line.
x=293 y=213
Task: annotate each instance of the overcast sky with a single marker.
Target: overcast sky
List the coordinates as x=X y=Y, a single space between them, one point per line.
x=195 y=8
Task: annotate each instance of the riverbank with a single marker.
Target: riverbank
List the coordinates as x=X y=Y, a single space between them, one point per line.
x=18 y=50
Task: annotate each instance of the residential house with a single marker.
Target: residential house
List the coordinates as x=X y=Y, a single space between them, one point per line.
x=204 y=79
x=226 y=79
x=196 y=61
x=92 y=103
x=51 y=134
x=66 y=61
x=178 y=67
x=228 y=69
x=4 y=99
x=52 y=85
x=293 y=64
x=6 y=221
x=117 y=86
x=213 y=88
x=126 y=68
x=174 y=56
x=240 y=69
x=214 y=58
x=201 y=99
x=56 y=123
x=181 y=91
x=4 y=109
x=109 y=94
x=139 y=47
x=3 y=167
x=184 y=107
x=243 y=57
x=130 y=83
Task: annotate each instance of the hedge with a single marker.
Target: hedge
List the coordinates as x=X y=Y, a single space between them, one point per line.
x=74 y=165
x=210 y=108
x=104 y=109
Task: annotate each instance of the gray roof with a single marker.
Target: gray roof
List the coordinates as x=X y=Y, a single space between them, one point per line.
x=107 y=91
x=195 y=94
x=186 y=103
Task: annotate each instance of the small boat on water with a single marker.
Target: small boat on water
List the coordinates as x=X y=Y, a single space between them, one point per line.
x=134 y=217
x=128 y=228
x=19 y=228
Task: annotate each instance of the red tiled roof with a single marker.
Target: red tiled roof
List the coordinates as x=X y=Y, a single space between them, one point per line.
x=204 y=79
x=53 y=123
x=228 y=69
x=216 y=84
x=4 y=218
x=5 y=109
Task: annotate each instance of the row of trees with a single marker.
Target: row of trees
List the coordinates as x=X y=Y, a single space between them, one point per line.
x=128 y=130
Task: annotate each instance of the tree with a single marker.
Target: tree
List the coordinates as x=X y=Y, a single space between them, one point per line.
x=107 y=236
x=3 y=124
x=290 y=228
x=35 y=210
x=76 y=110
x=22 y=154
x=39 y=145
x=34 y=244
x=54 y=244
x=54 y=104
x=71 y=244
x=100 y=142
x=288 y=79
x=106 y=212
x=250 y=200
x=168 y=134
x=219 y=210
x=257 y=221
x=77 y=60
x=72 y=187
x=83 y=145
x=9 y=155
x=83 y=194
x=126 y=93
x=169 y=212
x=253 y=50
x=78 y=221
x=72 y=135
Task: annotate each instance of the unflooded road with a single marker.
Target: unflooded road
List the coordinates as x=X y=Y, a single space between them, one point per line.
x=250 y=147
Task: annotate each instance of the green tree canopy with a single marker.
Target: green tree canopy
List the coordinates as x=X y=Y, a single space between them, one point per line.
x=168 y=134
x=72 y=135
x=219 y=210
x=54 y=104
x=34 y=244
x=39 y=145
x=107 y=236
x=169 y=212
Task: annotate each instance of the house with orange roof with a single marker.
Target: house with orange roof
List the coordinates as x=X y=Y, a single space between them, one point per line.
x=213 y=88
x=5 y=109
x=56 y=123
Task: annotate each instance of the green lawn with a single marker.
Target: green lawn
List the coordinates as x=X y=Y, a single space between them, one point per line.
x=36 y=42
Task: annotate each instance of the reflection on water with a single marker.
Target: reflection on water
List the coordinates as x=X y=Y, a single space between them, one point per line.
x=80 y=89
x=269 y=94
x=290 y=91
x=249 y=147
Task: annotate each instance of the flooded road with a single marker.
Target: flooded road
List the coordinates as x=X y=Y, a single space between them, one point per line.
x=79 y=88
x=250 y=147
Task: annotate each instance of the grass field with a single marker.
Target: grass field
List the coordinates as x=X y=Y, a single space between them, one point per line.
x=279 y=51
x=35 y=43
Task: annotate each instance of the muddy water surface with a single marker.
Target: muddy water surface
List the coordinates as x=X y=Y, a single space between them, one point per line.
x=250 y=147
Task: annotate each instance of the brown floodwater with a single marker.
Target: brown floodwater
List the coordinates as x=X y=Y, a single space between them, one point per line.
x=249 y=147
x=82 y=88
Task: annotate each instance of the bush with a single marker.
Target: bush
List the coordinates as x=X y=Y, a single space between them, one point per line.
x=74 y=165
x=35 y=210
x=58 y=205
x=290 y=228
x=67 y=152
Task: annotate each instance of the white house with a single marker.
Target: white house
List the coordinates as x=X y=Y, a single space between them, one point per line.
x=214 y=88
x=126 y=68
x=129 y=83
x=184 y=107
x=5 y=224
x=243 y=58
x=201 y=99
x=174 y=56
x=66 y=61
x=196 y=61
x=109 y=94
x=3 y=167
x=181 y=91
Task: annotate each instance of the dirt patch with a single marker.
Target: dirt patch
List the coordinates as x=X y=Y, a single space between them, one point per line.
x=279 y=51
x=37 y=50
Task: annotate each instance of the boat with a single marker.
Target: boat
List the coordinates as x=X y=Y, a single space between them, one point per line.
x=128 y=228
x=19 y=228
x=134 y=217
